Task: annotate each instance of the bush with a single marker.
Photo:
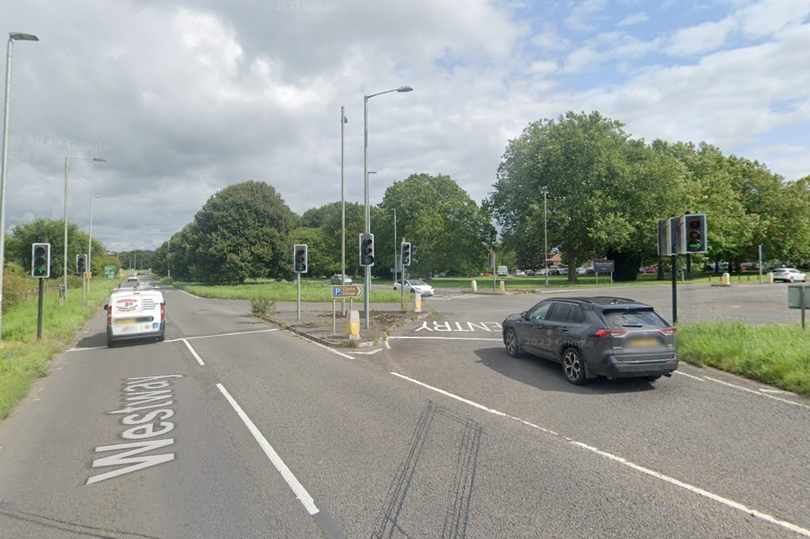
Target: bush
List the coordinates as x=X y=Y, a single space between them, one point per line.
x=17 y=286
x=262 y=306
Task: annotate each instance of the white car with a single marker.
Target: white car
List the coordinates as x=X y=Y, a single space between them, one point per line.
x=789 y=275
x=415 y=285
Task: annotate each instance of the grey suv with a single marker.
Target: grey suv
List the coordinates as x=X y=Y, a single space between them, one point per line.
x=598 y=336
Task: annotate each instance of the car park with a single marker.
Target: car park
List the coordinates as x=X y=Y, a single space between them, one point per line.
x=135 y=315
x=415 y=285
x=596 y=336
x=789 y=275
x=336 y=279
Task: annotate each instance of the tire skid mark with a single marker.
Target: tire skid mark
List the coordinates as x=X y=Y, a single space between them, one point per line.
x=455 y=523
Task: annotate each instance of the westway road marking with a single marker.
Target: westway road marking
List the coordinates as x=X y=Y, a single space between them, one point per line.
x=691 y=488
x=299 y=490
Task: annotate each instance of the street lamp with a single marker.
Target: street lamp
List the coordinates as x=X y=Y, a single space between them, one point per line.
x=90 y=241
x=100 y=160
x=343 y=121
x=12 y=37
x=367 y=225
x=545 y=230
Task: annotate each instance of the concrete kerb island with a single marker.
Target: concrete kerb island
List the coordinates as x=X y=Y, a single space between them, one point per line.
x=317 y=326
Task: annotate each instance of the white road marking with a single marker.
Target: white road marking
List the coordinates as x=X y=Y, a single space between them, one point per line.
x=777 y=391
x=387 y=344
x=224 y=334
x=794 y=403
x=699 y=379
x=691 y=488
x=444 y=338
x=193 y=352
x=370 y=353
x=300 y=492
x=83 y=349
x=326 y=347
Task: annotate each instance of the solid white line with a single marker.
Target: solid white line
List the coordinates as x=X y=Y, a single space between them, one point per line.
x=193 y=353
x=697 y=490
x=230 y=334
x=300 y=492
x=699 y=379
x=370 y=353
x=326 y=347
x=387 y=344
x=428 y=338
x=794 y=403
x=83 y=349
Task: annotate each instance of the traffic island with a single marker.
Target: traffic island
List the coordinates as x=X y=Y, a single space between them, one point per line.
x=317 y=326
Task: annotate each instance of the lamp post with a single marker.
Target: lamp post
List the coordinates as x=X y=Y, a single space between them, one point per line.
x=99 y=159
x=545 y=231
x=396 y=266
x=90 y=240
x=343 y=121
x=12 y=37
x=367 y=225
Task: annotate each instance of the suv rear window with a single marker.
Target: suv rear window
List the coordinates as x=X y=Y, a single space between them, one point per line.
x=633 y=319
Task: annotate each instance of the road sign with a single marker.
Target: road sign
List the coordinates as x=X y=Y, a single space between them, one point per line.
x=347 y=291
x=109 y=272
x=603 y=266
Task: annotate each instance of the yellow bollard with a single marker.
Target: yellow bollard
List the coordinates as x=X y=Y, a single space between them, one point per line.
x=475 y=286
x=726 y=279
x=353 y=325
x=503 y=286
x=417 y=303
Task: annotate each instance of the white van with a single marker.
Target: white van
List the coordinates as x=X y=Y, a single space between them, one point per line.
x=503 y=271
x=134 y=315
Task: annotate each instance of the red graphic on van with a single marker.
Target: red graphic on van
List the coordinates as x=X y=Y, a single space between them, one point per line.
x=126 y=304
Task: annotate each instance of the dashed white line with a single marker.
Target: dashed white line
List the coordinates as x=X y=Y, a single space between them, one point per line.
x=698 y=378
x=691 y=488
x=741 y=388
x=444 y=338
x=299 y=490
x=193 y=352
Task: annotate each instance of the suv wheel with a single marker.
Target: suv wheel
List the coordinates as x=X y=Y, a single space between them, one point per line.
x=573 y=367
x=512 y=343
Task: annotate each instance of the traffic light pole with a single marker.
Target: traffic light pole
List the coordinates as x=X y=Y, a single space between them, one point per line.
x=299 y=295
x=84 y=292
x=674 y=289
x=39 y=309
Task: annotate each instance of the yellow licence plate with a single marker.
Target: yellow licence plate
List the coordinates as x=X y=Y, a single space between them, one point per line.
x=125 y=321
x=644 y=342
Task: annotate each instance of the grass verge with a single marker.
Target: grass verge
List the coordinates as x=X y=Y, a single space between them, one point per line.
x=778 y=355
x=278 y=291
x=23 y=359
x=561 y=281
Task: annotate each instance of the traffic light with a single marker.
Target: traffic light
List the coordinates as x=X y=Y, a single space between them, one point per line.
x=300 y=262
x=693 y=233
x=81 y=266
x=406 y=253
x=413 y=254
x=41 y=260
x=366 y=249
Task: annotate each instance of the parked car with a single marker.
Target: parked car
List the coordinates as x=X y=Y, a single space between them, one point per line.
x=415 y=285
x=135 y=315
x=596 y=336
x=648 y=269
x=788 y=275
x=336 y=279
x=520 y=273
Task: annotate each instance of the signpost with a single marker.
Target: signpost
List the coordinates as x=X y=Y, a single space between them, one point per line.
x=799 y=298
x=346 y=291
x=603 y=266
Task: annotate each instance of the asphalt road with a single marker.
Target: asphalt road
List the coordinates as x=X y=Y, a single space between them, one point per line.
x=438 y=433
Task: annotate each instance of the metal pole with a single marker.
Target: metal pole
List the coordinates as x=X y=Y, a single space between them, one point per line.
x=545 y=231
x=342 y=213
x=39 y=310
x=84 y=279
x=674 y=289
x=299 y=296
x=396 y=266
x=402 y=286
x=66 y=227
x=9 y=53
x=759 y=265
x=366 y=224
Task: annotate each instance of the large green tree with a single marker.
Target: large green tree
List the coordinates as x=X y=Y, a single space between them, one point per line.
x=241 y=232
x=447 y=228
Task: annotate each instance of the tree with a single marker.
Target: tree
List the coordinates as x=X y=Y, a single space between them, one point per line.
x=23 y=235
x=447 y=228
x=241 y=232
x=319 y=261
x=331 y=234
x=582 y=160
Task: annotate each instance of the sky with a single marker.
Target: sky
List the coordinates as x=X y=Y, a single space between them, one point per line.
x=183 y=98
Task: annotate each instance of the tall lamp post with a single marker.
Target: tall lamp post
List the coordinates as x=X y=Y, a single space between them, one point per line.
x=12 y=37
x=90 y=241
x=99 y=159
x=396 y=266
x=545 y=231
x=343 y=121
x=367 y=227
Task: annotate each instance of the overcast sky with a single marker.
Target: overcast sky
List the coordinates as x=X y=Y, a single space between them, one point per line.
x=183 y=98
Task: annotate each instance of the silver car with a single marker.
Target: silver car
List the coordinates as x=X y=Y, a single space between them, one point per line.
x=788 y=275
x=336 y=279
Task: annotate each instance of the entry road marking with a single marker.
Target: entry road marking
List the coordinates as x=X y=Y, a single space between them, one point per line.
x=299 y=490
x=691 y=488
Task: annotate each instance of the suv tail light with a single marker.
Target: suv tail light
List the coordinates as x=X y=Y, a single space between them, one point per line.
x=668 y=331
x=602 y=333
